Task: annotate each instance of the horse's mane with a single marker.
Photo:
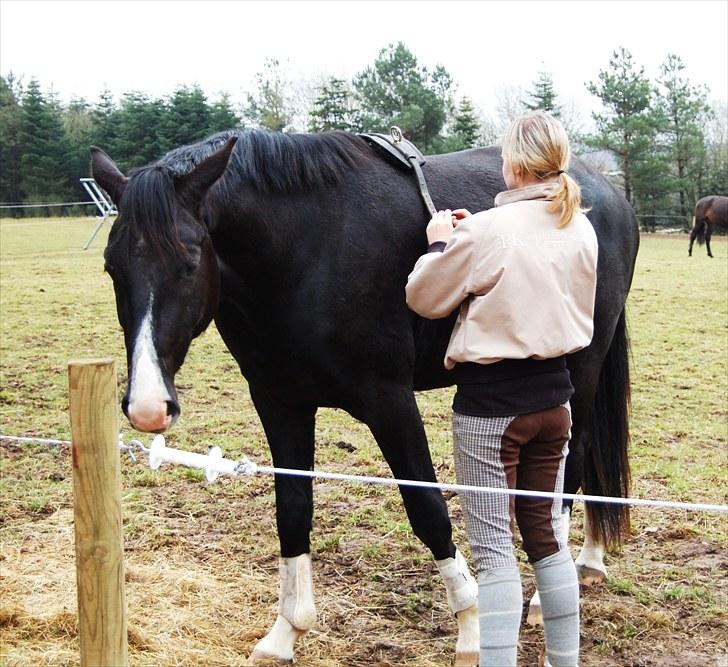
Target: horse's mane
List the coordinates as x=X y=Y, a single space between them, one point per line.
x=149 y=206
x=267 y=161
x=274 y=161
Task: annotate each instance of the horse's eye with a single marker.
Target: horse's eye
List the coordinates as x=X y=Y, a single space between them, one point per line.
x=188 y=269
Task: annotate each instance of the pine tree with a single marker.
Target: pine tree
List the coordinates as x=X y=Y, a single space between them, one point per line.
x=222 y=115
x=105 y=118
x=45 y=147
x=628 y=126
x=332 y=109
x=186 y=118
x=543 y=95
x=683 y=112
x=10 y=144
x=139 y=130
x=79 y=126
x=466 y=126
x=396 y=90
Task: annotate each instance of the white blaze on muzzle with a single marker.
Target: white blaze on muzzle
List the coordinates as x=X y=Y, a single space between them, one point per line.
x=148 y=394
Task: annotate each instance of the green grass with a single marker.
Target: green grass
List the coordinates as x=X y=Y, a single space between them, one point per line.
x=56 y=304
x=678 y=317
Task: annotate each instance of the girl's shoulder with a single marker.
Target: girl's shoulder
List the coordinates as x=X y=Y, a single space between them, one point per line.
x=582 y=222
x=482 y=216
x=504 y=212
x=497 y=212
x=479 y=224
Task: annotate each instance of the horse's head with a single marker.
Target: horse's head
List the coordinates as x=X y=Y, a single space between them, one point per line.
x=161 y=260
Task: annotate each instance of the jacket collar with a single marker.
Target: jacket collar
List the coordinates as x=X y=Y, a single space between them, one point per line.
x=546 y=191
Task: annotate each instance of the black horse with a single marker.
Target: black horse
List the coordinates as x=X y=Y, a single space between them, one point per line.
x=299 y=247
x=710 y=212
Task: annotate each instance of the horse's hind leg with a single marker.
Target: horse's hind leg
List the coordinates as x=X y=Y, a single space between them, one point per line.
x=708 y=234
x=590 y=561
x=394 y=419
x=290 y=433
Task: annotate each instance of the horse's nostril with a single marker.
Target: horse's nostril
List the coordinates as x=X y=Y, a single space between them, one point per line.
x=125 y=406
x=173 y=409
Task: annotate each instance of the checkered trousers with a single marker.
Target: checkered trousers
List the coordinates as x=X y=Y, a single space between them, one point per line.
x=480 y=450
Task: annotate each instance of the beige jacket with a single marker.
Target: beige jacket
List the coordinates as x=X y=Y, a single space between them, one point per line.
x=525 y=287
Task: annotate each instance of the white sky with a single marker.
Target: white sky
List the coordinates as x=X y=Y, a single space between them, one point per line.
x=81 y=47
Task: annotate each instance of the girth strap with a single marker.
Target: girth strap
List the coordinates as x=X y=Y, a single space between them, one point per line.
x=423 y=188
x=404 y=154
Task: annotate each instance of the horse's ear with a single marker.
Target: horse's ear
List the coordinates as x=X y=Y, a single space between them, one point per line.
x=194 y=185
x=107 y=174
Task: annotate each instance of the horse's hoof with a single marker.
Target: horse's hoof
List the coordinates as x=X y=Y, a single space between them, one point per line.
x=535 y=615
x=277 y=647
x=466 y=659
x=262 y=659
x=588 y=576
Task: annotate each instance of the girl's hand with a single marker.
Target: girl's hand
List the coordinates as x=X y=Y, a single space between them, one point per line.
x=460 y=214
x=440 y=227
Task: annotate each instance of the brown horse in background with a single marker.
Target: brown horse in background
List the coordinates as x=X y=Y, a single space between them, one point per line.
x=711 y=211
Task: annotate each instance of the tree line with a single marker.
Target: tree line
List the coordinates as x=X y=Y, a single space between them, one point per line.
x=661 y=141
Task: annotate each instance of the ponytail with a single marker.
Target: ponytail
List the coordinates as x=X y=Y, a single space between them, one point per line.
x=567 y=201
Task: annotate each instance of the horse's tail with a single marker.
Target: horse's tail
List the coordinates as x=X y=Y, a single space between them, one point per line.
x=700 y=229
x=606 y=464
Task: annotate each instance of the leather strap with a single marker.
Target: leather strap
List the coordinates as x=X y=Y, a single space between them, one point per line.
x=406 y=155
x=424 y=191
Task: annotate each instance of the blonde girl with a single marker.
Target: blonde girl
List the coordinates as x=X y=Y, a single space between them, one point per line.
x=523 y=276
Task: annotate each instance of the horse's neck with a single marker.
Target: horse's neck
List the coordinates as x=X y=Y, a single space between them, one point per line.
x=258 y=235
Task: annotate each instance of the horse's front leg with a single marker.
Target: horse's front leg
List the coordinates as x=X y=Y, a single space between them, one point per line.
x=394 y=419
x=290 y=433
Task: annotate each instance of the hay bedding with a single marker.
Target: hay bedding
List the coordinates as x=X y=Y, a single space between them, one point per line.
x=201 y=588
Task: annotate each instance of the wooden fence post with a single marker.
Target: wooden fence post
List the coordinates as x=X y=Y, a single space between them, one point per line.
x=97 y=513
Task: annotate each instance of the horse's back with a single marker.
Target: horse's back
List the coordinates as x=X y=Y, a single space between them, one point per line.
x=338 y=262
x=714 y=208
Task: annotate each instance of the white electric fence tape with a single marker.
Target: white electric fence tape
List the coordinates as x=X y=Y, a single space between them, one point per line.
x=214 y=464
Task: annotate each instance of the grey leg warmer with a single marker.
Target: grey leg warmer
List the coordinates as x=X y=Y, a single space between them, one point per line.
x=500 y=600
x=558 y=586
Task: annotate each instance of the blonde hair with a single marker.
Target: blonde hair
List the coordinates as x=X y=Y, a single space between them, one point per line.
x=538 y=145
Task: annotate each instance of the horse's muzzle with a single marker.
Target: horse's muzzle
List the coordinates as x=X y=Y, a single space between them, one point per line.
x=151 y=416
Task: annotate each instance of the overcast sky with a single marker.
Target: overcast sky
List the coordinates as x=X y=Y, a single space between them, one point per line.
x=80 y=48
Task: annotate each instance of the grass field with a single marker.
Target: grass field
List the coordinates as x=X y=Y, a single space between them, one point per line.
x=201 y=560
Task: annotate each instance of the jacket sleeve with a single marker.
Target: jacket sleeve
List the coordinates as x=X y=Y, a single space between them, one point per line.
x=440 y=281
